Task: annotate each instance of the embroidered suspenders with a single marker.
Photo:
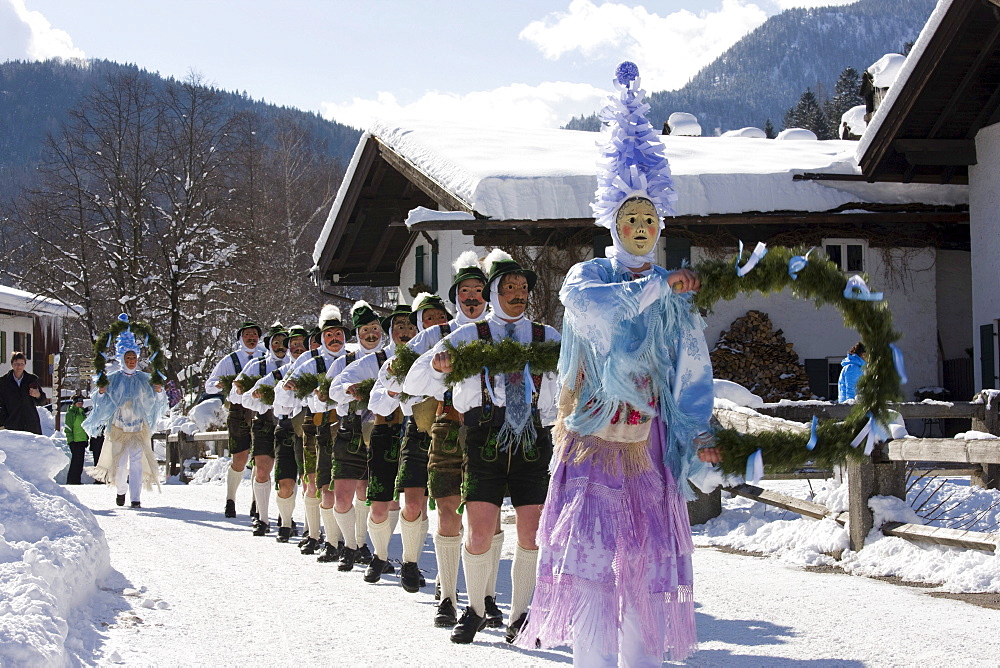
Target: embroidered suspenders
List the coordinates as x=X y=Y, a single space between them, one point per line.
x=537 y=336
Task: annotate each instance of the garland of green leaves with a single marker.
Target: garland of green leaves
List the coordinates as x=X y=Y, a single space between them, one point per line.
x=500 y=357
x=266 y=394
x=245 y=383
x=143 y=334
x=307 y=382
x=822 y=282
x=400 y=364
x=363 y=392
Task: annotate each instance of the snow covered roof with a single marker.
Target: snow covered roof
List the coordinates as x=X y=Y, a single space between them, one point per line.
x=945 y=93
x=19 y=301
x=535 y=174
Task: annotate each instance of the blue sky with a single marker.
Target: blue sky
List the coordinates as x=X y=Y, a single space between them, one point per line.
x=533 y=64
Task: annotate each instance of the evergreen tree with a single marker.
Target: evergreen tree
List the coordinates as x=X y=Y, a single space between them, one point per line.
x=845 y=96
x=808 y=114
x=769 y=129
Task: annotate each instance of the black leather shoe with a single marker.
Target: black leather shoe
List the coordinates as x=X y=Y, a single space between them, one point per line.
x=329 y=555
x=468 y=626
x=284 y=533
x=375 y=569
x=120 y=500
x=261 y=528
x=364 y=555
x=230 y=508
x=253 y=511
x=446 y=616
x=347 y=559
x=136 y=504
x=308 y=545
x=515 y=628
x=494 y=618
x=409 y=577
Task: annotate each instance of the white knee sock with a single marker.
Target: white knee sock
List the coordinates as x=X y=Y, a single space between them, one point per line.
x=380 y=534
x=477 y=573
x=496 y=547
x=448 y=549
x=330 y=523
x=361 y=511
x=346 y=522
x=233 y=479
x=312 y=516
x=262 y=495
x=522 y=576
x=393 y=520
x=286 y=507
x=413 y=534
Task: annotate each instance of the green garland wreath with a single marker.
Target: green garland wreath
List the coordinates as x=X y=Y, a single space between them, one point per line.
x=500 y=357
x=144 y=335
x=822 y=282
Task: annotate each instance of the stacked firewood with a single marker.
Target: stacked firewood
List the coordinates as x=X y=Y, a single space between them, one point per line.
x=757 y=357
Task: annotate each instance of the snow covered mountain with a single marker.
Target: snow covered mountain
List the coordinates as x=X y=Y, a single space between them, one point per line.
x=766 y=72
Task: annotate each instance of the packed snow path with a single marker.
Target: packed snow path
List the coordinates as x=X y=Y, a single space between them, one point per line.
x=202 y=591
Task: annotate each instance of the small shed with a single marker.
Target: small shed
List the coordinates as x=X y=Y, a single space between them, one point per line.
x=940 y=123
x=31 y=324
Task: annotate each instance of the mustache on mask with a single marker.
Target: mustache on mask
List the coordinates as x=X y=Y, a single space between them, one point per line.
x=518 y=301
x=472 y=302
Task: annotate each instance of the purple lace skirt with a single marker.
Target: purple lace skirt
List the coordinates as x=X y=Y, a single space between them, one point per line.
x=611 y=545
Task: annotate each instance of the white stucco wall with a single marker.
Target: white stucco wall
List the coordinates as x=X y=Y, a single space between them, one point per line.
x=984 y=232
x=954 y=302
x=817 y=334
x=451 y=244
x=10 y=324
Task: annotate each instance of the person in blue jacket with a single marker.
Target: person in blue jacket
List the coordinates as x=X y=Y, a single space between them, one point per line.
x=851 y=368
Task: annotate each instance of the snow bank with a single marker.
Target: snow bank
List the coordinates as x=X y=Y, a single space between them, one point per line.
x=215 y=471
x=801 y=541
x=209 y=415
x=52 y=552
x=736 y=393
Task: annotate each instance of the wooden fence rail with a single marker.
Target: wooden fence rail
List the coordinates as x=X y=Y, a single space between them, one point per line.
x=884 y=473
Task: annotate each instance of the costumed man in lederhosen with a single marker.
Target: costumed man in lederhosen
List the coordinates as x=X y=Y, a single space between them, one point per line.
x=318 y=500
x=349 y=469
x=288 y=434
x=126 y=410
x=238 y=423
x=262 y=427
x=506 y=441
x=384 y=441
x=615 y=577
x=444 y=466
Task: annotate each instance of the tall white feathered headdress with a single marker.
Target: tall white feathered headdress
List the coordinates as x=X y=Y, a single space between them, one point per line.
x=632 y=163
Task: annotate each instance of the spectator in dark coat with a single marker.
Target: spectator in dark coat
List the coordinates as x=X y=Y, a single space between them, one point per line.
x=20 y=393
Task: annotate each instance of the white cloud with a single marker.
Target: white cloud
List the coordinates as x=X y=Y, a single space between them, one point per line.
x=27 y=35
x=549 y=104
x=668 y=49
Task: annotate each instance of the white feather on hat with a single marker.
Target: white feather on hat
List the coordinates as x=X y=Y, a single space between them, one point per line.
x=496 y=255
x=420 y=297
x=328 y=312
x=466 y=259
x=360 y=304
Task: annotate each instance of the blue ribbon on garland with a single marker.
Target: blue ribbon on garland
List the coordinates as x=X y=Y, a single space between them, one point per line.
x=755 y=467
x=798 y=263
x=871 y=433
x=812 y=434
x=858 y=290
x=759 y=251
x=897 y=361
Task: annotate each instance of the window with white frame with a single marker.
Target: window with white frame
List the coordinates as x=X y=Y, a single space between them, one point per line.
x=848 y=254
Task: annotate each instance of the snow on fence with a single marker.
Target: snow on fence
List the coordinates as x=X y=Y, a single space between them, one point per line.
x=181 y=446
x=884 y=473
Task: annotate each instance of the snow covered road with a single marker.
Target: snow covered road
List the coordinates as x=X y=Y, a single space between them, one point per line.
x=203 y=591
